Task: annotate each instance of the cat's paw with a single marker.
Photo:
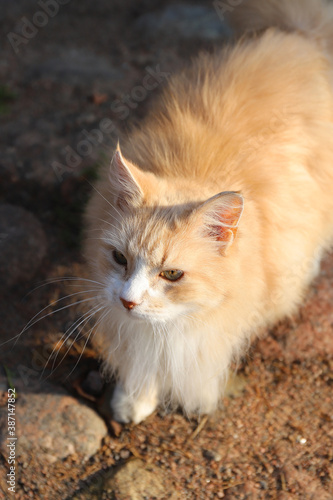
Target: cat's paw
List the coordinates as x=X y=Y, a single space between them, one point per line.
x=126 y=409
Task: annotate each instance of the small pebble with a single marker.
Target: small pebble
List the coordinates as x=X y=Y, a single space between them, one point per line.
x=124 y=454
x=211 y=455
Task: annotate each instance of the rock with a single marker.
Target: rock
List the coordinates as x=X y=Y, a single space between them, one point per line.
x=212 y=455
x=184 y=21
x=136 y=480
x=22 y=245
x=124 y=454
x=50 y=425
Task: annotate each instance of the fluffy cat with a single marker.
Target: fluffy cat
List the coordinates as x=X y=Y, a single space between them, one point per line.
x=212 y=219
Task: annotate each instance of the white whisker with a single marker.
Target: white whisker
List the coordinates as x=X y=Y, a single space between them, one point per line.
x=50 y=281
x=85 y=344
x=56 y=302
x=30 y=324
x=76 y=338
x=108 y=201
x=85 y=317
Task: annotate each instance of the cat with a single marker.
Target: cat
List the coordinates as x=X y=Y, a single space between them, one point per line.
x=211 y=221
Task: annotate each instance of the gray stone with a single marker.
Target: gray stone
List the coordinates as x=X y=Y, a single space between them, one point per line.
x=136 y=480
x=184 y=21
x=51 y=424
x=22 y=245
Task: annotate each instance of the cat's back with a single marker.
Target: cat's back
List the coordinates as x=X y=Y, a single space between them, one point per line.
x=220 y=108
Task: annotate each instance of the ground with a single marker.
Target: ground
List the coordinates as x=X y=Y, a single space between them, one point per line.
x=73 y=66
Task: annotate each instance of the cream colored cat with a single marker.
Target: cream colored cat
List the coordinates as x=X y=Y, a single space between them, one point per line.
x=212 y=219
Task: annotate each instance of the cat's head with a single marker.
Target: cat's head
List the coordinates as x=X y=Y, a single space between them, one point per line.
x=163 y=246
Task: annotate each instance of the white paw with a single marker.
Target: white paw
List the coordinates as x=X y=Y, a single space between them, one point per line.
x=126 y=409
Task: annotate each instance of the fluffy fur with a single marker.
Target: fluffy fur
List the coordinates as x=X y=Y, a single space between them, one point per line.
x=253 y=122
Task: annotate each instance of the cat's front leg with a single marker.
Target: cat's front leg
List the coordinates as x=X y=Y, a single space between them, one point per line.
x=209 y=397
x=127 y=408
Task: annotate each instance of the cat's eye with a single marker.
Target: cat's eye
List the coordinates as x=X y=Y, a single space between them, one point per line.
x=172 y=275
x=119 y=258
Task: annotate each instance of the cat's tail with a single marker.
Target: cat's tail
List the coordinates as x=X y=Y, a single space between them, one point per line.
x=314 y=18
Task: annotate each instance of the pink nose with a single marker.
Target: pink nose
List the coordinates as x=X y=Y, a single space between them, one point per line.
x=127 y=304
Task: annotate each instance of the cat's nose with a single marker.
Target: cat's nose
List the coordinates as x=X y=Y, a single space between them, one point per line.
x=127 y=304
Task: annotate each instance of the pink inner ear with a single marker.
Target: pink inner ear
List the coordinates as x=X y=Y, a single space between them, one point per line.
x=224 y=233
x=229 y=218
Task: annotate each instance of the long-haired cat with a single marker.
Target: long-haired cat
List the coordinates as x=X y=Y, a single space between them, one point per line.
x=213 y=216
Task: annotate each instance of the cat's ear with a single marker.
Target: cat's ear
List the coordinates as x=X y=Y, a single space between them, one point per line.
x=125 y=180
x=220 y=216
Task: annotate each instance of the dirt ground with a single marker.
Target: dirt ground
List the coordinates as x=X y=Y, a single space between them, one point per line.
x=273 y=436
